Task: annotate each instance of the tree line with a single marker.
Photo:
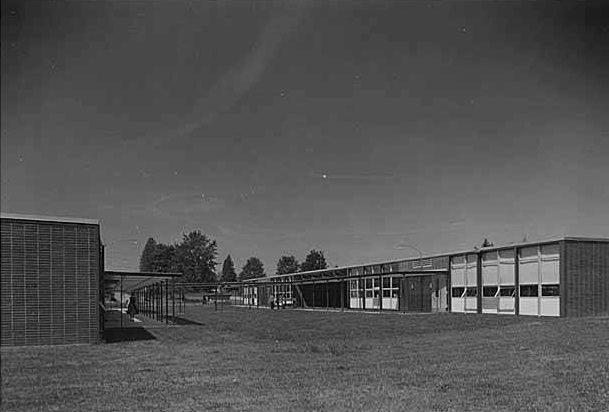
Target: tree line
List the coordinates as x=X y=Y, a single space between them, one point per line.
x=195 y=257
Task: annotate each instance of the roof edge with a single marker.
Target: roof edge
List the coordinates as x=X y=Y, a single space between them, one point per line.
x=448 y=254
x=41 y=218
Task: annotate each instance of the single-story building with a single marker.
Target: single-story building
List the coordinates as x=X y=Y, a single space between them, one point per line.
x=559 y=277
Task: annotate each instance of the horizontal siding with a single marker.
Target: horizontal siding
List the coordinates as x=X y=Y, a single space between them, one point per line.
x=50 y=282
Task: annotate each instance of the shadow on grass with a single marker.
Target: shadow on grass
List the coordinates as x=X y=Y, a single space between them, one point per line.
x=115 y=335
x=182 y=321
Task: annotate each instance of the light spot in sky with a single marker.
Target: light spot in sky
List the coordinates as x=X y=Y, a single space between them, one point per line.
x=175 y=172
x=21 y=158
x=463 y=29
x=324 y=176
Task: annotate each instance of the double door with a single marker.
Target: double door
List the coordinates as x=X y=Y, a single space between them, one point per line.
x=417 y=293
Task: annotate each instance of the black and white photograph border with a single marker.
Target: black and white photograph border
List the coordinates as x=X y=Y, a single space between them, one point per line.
x=304 y=205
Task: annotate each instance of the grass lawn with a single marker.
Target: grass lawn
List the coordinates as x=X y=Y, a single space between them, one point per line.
x=247 y=359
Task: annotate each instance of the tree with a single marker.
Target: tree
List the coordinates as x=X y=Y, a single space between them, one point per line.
x=228 y=270
x=195 y=258
x=147 y=258
x=164 y=258
x=315 y=260
x=287 y=264
x=486 y=243
x=252 y=269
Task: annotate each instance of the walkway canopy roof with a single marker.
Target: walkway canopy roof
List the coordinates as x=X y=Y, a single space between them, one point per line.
x=129 y=281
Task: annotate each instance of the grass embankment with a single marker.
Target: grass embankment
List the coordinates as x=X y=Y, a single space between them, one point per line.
x=247 y=359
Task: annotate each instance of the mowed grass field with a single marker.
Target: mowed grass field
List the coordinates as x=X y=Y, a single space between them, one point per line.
x=261 y=360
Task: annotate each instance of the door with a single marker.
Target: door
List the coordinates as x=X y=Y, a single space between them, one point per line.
x=414 y=301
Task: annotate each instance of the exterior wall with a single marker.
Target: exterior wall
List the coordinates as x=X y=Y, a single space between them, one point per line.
x=585 y=278
x=499 y=281
x=50 y=282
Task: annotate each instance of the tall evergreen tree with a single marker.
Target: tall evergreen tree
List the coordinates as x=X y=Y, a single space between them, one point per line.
x=315 y=260
x=252 y=269
x=228 y=270
x=148 y=256
x=287 y=264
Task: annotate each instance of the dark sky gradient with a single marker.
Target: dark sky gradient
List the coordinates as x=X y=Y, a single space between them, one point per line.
x=434 y=124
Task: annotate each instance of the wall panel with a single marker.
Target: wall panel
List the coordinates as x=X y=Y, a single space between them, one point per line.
x=50 y=282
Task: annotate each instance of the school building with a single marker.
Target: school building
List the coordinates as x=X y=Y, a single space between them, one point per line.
x=560 y=277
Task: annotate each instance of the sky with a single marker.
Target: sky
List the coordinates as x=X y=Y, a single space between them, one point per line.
x=365 y=129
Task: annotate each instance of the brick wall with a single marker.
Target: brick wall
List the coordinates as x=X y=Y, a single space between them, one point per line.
x=584 y=278
x=49 y=282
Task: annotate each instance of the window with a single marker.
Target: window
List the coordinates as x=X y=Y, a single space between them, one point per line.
x=550 y=290
x=354 y=294
x=529 y=291
x=489 y=291
x=369 y=283
x=507 y=291
x=394 y=293
x=458 y=292
x=471 y=292
x=386 y=293
x=369 y=293
x=386 y=282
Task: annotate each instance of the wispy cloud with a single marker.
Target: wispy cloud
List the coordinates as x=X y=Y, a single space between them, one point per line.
x=237 y=81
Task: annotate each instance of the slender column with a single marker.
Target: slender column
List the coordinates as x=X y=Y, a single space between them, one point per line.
x=380 y=293
x=479 y=280
x=173 y=299
x=166 y=301
x=403 y=292
x=517 y=282
x=121 y=301
x=342 y=295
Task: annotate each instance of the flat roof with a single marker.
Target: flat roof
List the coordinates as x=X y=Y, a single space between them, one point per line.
x=128 y=281
x=41 y=218
x=439 y=255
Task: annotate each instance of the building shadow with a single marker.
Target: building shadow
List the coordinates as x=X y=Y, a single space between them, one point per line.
x=129 y=334
x=176 y=320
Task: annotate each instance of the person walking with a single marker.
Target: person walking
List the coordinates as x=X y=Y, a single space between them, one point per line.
x=132 y=308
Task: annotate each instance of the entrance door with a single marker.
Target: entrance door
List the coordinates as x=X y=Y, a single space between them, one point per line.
x=413 y=290
x=427 y=287
x=418 y=293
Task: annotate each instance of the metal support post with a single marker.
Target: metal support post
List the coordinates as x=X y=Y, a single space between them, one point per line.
x=342 y=295
x=121 y=301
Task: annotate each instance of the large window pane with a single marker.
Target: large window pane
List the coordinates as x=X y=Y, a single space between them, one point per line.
x=458 y=292
x=489 y=291
x=507 y=291
x=529 y=291
x=550 y=290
